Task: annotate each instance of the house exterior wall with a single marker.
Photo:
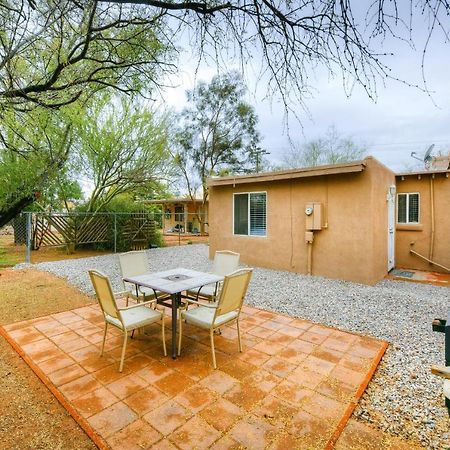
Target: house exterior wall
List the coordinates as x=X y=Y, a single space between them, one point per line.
x=351 y=246
x=421 y=235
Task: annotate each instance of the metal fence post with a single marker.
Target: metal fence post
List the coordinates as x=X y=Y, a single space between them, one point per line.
x=28 y=237
x=115 y=232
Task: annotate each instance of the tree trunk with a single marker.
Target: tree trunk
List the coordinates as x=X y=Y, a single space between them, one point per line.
x=14 y=209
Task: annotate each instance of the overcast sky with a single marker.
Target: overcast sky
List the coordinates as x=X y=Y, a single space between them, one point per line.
x=402 y=120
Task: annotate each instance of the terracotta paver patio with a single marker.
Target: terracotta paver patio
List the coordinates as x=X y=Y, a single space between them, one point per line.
x=295 y=385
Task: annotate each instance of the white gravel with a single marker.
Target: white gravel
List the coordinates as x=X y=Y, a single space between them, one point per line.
x=403 y=397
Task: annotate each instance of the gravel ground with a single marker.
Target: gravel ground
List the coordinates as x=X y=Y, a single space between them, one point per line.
x=403 y=397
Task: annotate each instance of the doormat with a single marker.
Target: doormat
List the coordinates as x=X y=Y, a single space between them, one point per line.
x=402 y=273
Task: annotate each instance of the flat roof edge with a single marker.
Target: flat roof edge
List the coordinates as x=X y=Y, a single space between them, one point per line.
x=422 y=172
x=357 y=166
x=173 y=200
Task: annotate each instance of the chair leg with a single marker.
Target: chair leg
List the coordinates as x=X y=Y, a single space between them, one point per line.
x=104 y=338
x=163 y=335
x=211 y=335
x=239 y=335
x=180 y=333
x=125 y=336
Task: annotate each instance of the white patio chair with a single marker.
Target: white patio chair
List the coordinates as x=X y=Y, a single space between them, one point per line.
x=444 y=372
x=132 y=264
x=126 y=319
x=225 y=262
x=225 y=310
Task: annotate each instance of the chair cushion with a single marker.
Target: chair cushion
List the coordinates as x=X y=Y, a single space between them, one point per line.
x=203 y=317
x=447 y=388
x=206 y=291
x=135 y=317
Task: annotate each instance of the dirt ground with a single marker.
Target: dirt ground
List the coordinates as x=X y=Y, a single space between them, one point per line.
x=11 y=254
x=31 y=417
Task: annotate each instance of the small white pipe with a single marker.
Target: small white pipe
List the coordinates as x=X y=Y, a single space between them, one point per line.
x=429 y=260
x=431 y=251
x=309 y=260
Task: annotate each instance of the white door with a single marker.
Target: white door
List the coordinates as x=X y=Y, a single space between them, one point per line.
x=391 y=228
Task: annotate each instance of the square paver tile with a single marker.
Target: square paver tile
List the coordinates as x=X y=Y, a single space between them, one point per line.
x=126 y=386
x=168 y=417
x=112 y=419
x=254 y=433
x=79 y=387
x=245 y=395
x=222 y=414
x=196 y=398
x=67 y=374
x=94 y=402
x=145 y=400
x=196 y=433
x=219 y=382
x=138 y=435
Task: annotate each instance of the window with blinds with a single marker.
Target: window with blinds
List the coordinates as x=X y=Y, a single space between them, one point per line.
x=408 y=208
x=250 y=214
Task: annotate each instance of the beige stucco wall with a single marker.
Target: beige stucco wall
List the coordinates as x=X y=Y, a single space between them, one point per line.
x=353 y=246
x=420 y=235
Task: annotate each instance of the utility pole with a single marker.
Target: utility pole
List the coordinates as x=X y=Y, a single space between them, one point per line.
x=256 y=154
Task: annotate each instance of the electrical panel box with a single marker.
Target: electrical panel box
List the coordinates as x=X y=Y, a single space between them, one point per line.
x=314 y=216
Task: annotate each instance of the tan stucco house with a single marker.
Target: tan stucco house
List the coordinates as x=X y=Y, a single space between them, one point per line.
x=184 y=214
x=340 y=221
x=423 y=221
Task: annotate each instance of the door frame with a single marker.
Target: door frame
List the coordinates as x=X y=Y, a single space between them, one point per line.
x=391 y=197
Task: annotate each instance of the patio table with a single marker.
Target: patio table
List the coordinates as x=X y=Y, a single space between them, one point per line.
x=174 y=282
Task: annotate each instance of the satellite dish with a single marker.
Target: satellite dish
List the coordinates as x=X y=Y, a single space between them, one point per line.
x=427 y=159
x=427 y=156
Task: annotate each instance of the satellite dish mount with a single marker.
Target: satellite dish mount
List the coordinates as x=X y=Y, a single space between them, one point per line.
x=427 y=157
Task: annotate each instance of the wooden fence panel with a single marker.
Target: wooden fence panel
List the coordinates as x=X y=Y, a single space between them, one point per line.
x=137 y=230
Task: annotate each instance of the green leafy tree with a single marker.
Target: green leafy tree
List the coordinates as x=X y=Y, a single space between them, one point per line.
x=121 y=148
x=217 y=133
x=34 y=149
x=330 y=149
x=54 y=54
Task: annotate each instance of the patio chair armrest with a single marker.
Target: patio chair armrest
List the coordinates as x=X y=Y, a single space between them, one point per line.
x=121 y=293
x=188 y=300
x=149 y=302
x=441 y=371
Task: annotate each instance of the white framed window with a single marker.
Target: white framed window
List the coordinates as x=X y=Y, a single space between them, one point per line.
x=408 y=208
x=250 y=214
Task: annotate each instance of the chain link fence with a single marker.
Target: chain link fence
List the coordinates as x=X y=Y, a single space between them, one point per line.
x=40 y=236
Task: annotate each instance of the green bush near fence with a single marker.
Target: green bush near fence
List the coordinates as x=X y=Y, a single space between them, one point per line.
x=129 y=217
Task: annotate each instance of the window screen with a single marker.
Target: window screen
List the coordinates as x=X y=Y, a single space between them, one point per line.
x=413 y=210
x=241 y=214
x=258 y=214
x=408 y=208
x=250 y=214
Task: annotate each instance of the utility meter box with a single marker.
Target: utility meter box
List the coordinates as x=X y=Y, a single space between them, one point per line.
x=314 y=216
